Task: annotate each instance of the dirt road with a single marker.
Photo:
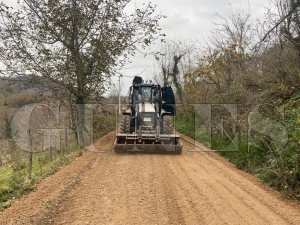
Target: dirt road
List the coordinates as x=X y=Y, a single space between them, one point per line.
x=192 y=188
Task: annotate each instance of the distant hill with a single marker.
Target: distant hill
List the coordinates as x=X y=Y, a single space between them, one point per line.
x=28 y=84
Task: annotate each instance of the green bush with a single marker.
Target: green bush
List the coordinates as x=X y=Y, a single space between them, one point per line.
x=103 y=124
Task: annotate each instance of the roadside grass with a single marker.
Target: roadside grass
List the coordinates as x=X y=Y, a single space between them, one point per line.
x=13 y=184
x=5 y=174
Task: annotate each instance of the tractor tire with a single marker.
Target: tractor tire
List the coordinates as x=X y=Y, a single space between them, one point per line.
x=167 y=125
x=125 y=124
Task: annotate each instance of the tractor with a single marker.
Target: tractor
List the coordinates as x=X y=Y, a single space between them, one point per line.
x=147 y=124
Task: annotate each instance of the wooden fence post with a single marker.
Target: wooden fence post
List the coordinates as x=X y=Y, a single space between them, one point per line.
x=50 y=144
x=66 y=139
x=30 y=154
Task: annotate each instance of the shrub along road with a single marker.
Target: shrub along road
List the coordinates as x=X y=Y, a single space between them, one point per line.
x=192 y=188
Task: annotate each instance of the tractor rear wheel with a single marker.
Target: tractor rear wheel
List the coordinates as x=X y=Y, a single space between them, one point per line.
x=125 y=124
x=167 y=125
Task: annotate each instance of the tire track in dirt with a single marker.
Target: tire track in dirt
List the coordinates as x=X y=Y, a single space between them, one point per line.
x=166 y=179
x=254 y=196
x=87 y=196
x=211 y=181
x=185 y=196
x=132 y=198
x=202 y=196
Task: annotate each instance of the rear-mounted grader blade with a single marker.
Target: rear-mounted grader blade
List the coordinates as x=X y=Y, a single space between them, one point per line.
x=148 y=143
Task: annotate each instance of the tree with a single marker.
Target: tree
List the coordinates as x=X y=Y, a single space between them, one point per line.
x=173 y=59
x=75 y=45
x=222 y=61
x=279 y=48
x=286 y=23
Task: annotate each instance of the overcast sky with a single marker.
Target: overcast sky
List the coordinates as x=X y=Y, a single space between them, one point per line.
x=190 y=19
x=186 y=19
